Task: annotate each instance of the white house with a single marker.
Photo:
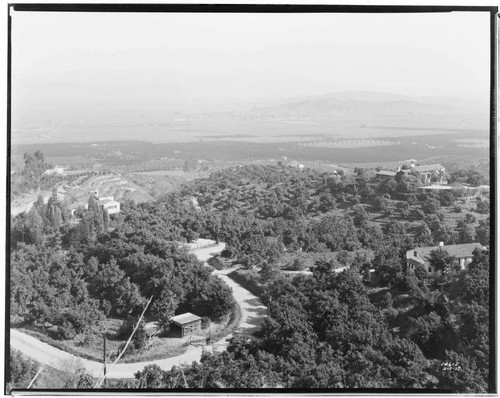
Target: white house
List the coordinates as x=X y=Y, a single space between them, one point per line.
x=55 y=170
x=112 y=206
x=295 y=164
x=427 y=173
x=421 y=255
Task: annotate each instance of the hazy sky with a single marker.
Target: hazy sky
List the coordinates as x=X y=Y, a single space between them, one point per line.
x=163 y=58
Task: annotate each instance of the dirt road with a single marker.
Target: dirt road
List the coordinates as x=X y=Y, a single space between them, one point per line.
x=253 y=313
x=52 y=356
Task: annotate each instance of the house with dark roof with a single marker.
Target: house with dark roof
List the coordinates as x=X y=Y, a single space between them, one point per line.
x=385 y=174
x=429 y=173
x=421 y=255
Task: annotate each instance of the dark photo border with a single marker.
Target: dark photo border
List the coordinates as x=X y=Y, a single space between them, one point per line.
x=268 y=8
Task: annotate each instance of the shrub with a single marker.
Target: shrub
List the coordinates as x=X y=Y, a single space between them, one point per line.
x=249 y=280
x=226 y=253
x=298 y=264
x=431 y=206
x=216 y=263
x=65 y=331
x=205 y=322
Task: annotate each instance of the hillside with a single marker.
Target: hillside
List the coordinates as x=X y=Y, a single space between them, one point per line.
x=76 y=190
x=348 y=104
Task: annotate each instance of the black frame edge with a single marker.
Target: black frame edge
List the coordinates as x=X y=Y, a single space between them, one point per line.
x=7 y=210
x=241 y=8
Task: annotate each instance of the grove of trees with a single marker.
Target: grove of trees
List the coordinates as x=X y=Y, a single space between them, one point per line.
x=372 y=326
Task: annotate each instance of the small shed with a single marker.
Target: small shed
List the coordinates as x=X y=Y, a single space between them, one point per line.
x=188 y=323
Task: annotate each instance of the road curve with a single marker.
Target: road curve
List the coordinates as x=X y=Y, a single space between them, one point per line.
x=252 y=310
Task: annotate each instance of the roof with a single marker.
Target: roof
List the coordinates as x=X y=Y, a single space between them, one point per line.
x=428 y=167
x=438 y=187
x=102 y=202
x=457 y=251
x=185 y=318
x=386 y=173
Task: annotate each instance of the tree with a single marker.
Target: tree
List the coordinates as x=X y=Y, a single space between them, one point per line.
x=483 y=232
x=411 y=199
x=151 y=377
x=472 y=284
x=34 y=225
x=466 y=232
x=460 y=374
x=360 y=215
x=163 y=308
x=388 y=265
x=381 y=203
x=483 y=206
x=21 y=370
x=440 y=260
x=80 y=380
x=404 y=208
x=430 y=206
x=423 y=235
x=215 y=299
x=470 y=219
x=446 y=198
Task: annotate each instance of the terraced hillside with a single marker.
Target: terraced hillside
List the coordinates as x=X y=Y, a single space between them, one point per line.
x=106 y=185
x=76 y=190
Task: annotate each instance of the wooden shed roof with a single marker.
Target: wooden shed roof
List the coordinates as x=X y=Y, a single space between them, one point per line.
x=184 y=319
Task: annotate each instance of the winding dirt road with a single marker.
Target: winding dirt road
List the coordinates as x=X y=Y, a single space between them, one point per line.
x=253 y=313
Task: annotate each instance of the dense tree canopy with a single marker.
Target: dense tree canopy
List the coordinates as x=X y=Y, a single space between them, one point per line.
x=374 y=325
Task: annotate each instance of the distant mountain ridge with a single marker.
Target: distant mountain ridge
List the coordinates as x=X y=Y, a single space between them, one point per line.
x=351 y=103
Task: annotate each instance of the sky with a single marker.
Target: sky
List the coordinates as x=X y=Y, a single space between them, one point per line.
x=69 y=59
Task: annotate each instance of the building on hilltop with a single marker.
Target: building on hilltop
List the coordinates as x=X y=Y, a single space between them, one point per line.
x=111 y=205
x=76 y=208
x=106 y=202
x=429 y=173
x=420 y=256
x=386 y=174
x=425 y=173
x=296 y=164
x=54 y=170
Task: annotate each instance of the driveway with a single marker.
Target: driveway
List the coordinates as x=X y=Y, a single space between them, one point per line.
x=252 y=310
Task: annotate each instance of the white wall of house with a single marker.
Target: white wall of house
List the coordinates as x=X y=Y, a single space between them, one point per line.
x=112 y=207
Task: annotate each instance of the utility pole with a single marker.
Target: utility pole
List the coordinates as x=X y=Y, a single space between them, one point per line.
x=104 y=355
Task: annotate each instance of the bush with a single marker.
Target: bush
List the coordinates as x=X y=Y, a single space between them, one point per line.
x=249 y=280
x=205 y=322
x=22 y=370
x=216 y=262
x=483 y=206
x=65 y=331
x=126 y=328
x=299 y=264
x=226 y=253
x=431 y=206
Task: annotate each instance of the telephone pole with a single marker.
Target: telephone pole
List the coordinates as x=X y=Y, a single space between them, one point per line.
x=104 y=355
